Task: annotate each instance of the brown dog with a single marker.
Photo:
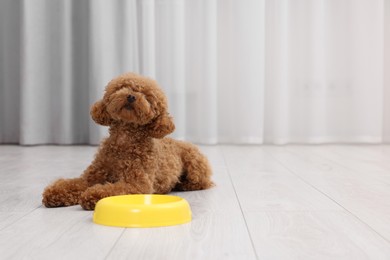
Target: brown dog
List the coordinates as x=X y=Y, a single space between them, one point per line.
x=135 y=158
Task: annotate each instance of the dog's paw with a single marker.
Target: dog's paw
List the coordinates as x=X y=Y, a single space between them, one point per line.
x=88 y=204
x=88 y=201
x=52 y=198
x=63 y=193
x=91 y=196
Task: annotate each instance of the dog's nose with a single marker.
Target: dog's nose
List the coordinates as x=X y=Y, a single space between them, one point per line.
x=130 y=98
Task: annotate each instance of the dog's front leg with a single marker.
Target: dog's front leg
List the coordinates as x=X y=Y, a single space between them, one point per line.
x=98 y=174
x=92 y=195
x=67 y=192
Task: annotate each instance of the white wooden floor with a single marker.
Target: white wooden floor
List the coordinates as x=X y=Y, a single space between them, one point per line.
x=270 y=202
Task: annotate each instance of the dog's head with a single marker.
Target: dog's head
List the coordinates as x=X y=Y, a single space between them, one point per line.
x=136 y=101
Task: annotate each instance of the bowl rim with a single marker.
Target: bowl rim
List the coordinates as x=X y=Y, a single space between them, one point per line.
x=113 y=200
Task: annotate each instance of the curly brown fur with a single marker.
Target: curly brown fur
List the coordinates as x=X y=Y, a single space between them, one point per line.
x=136 y=157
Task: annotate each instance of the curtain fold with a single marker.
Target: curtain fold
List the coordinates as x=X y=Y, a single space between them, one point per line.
x=324 y=71
x=386 y=72
x=252 y=71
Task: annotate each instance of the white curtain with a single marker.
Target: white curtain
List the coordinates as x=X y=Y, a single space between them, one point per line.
x=234 y=71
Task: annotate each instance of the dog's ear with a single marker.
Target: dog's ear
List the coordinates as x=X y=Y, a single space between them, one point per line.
x=99 y=113
x=161 y=126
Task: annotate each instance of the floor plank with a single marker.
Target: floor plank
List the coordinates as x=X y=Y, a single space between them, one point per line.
x=8 y=218
x=363 y=193
x=61 y=233
x=314 y=235
x=263 y=184
x=208 y=236
x=357 y=158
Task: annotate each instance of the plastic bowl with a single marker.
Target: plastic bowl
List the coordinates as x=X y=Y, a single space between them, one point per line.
x=142 y=210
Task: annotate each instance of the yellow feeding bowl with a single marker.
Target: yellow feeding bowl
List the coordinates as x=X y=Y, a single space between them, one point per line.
x=143 y=210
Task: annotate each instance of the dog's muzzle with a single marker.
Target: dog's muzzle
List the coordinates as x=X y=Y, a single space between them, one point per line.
x=131 y=98
x=130 y=101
